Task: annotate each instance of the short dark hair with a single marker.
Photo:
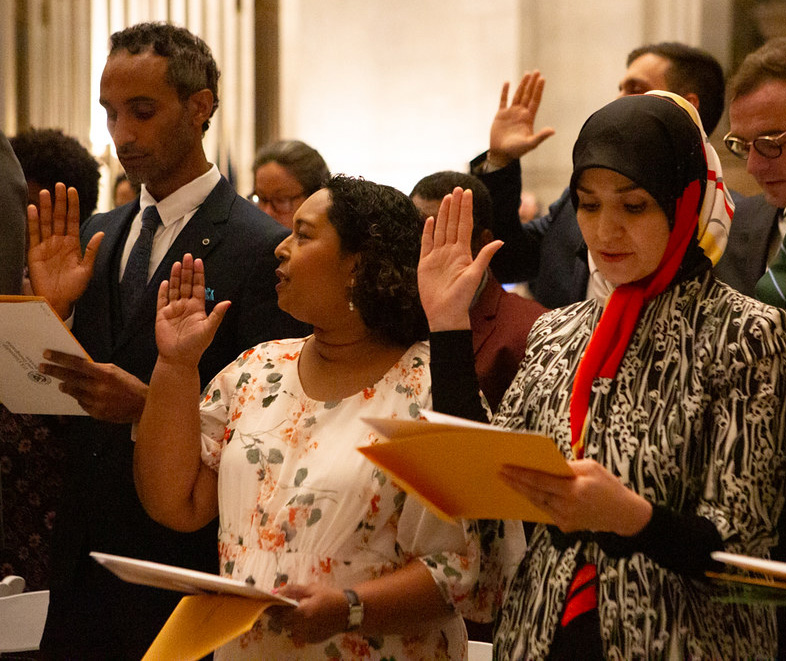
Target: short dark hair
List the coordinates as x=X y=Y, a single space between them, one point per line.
x=304 y=163
x=48 y=156
x=191 y=66
x=692 y=70
x=436 y=186
x=762 y=65
x=382 y=226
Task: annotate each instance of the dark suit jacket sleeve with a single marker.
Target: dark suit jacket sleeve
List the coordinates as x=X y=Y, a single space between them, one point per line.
x=259 y=303
x=752 y=229
x=13 y=206
x=519 y=259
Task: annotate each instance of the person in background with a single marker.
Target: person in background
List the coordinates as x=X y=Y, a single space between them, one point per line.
x=32 y=447
x=665 y=393
x=124 y=191
x=13 y=202
x=285 y=174
x=271 y=445
x=549 y=252
x=159 y=88
x=49 y=156
x=27 y=491
x=757 y=118
x=500 y=320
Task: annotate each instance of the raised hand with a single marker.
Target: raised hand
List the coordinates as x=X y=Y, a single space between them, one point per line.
x=183 y=330
x=512 y=131
x=58 y=270
x=447 y=275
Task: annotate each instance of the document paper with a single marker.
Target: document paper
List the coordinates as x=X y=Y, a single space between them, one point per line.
x=453 y=465
x=28 y=326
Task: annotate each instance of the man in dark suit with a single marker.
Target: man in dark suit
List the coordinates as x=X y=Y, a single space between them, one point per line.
x=159 y=89
x=757 y=118
x=549 y=252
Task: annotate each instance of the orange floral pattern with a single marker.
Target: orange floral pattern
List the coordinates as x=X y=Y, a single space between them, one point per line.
x=299 y=504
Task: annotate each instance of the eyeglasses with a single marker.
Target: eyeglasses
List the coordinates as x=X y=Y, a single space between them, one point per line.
x=280 y=204
x=769 y=146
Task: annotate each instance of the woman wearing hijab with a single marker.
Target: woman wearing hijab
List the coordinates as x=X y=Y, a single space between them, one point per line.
x=665 y=390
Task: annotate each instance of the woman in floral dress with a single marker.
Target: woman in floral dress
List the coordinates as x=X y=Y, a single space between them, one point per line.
x=301 y=510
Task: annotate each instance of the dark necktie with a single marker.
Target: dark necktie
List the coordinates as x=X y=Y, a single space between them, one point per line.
x=771 y=288
x=134 y=279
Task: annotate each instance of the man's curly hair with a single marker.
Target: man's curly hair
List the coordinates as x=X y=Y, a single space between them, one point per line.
x=382 y=226
x=191 y=66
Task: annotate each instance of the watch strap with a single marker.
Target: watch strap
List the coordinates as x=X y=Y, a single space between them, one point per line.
x=355 y=617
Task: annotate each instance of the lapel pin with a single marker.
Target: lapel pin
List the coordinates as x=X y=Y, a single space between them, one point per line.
x=205 y=242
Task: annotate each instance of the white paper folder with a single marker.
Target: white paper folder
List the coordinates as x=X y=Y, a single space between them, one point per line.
x=28 y=326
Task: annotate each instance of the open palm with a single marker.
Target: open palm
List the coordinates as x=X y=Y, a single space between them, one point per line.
x=183 y=330
x=447 y=275
x=513 y=129
x=58 y=269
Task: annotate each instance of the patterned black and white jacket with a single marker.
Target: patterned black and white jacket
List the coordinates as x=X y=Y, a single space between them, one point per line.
x=695 y=421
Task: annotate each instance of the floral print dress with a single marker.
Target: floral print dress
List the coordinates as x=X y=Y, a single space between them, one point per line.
x=299 y=504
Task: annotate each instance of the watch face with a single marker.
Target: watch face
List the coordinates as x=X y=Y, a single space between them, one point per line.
x=355 y=618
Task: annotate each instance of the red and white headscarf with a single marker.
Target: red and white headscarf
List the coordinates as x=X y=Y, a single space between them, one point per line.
x=657 y=141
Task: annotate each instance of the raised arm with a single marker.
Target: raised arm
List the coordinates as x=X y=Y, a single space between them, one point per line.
x=175 y=487
x=447 y=280
x=447 y=276
x=513 y=129
x=58 y=270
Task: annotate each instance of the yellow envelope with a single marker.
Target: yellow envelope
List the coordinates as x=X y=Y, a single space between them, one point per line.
x=453 y=465
x=203 y=622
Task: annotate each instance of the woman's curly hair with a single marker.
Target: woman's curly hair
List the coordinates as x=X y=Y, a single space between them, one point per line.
x=382 y=226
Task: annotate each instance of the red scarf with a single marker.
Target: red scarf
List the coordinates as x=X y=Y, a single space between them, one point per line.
x=618 y=321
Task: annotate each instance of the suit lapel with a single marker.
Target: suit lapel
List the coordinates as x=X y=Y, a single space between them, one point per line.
x=201 y=234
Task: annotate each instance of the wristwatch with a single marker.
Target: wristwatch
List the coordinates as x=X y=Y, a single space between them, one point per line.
x=355 y=618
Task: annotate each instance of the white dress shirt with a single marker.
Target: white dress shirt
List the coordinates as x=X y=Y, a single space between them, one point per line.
x=175 y=211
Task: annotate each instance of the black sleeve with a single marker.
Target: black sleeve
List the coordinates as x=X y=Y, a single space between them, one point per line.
x=517 y=260
x=679 y=542
x=454 y=383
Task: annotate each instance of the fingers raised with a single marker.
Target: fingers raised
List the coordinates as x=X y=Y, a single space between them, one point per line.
x=60 y=210
x=503 y=97
x=72 y=217
x=33 y=226
x=427 y=238
x=187 y=276
x=174 y=281
x=45 y=214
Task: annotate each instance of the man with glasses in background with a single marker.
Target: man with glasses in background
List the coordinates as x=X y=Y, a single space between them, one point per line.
x=757 y=117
